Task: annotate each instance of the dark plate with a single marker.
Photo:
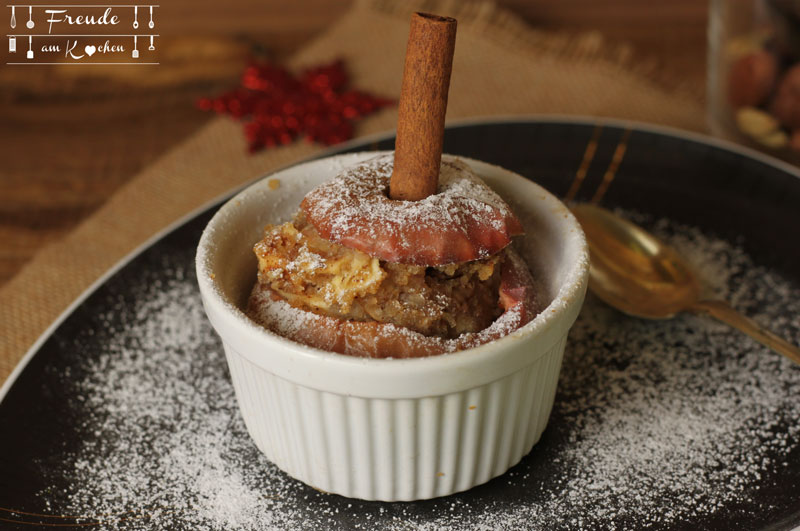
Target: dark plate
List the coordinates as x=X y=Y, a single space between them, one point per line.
x=124 y=415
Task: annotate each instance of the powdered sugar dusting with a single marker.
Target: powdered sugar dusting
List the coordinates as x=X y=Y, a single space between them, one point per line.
x=656 y=423
x=459 y=189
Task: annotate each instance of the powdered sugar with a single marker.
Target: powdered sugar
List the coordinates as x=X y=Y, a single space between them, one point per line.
x=459 y=189
x=668 y=423
x=306 y=259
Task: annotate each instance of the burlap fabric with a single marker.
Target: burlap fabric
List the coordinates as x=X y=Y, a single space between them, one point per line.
x=501 y=67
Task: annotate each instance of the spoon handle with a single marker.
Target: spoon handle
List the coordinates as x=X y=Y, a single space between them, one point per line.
x=723 y=311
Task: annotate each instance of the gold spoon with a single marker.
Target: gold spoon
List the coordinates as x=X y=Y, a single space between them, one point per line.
x=640 y=275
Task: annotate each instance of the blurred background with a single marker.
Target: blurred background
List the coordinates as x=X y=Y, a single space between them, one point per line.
x=72 y=135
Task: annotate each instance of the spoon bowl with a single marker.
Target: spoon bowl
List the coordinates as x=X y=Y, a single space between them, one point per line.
x=632 y=270
x=640 y=275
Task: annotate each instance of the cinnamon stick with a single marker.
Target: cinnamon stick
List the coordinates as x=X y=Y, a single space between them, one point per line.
x=422 y=106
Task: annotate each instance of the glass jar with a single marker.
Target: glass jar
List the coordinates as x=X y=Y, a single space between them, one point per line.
x=754 y=74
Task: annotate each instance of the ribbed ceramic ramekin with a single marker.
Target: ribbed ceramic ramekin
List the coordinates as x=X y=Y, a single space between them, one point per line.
x=391 y=429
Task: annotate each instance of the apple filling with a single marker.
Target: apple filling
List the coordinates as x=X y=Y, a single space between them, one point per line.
x=319 y=276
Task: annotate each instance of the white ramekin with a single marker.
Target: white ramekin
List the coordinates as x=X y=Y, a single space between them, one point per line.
x=391 y=429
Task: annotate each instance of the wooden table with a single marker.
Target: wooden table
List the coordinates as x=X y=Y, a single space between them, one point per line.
x=68 y=141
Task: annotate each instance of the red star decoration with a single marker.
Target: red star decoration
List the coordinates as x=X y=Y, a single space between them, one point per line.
x=276 y=107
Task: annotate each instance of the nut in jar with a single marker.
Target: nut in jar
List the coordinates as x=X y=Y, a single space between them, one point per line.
x=754 y=73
